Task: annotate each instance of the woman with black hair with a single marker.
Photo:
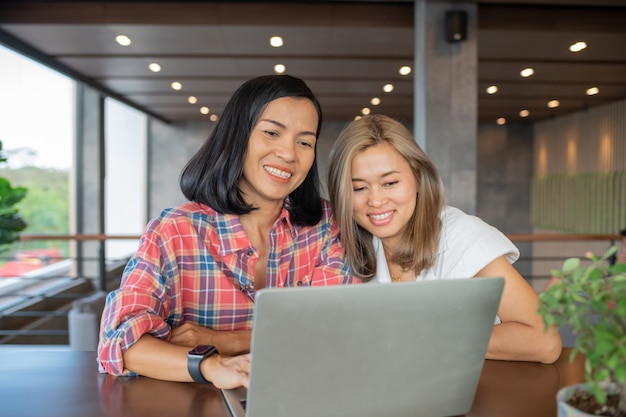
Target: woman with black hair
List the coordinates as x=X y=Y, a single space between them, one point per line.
x=254 y=219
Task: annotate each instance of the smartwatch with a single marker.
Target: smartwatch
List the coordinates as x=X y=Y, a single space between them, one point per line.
x=195 y=357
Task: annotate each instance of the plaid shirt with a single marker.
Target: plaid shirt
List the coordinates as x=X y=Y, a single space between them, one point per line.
x=195 y=264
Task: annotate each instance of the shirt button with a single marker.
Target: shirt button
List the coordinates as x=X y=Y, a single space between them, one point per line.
x=299 y=283
x=250 y=252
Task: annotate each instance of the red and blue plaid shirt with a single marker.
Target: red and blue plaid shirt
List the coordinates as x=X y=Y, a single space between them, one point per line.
x=195 y=264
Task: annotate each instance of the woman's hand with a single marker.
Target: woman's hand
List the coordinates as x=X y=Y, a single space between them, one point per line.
x=191 y=335
x=228 y=343
x=227 y=371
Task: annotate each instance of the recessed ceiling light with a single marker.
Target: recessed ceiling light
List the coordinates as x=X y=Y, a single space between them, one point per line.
x=405 y=70
x=365 y=111
x=357 y=117
x=524 y=113
x=375 y=101
x=276 y=41
x=176 y=85
x=204 y=110
x=553 y=103
x=527 y=72
x=192 y=99
x=388 y=88
x=577 y=46
x=492 y=89
x=501 y=121
x=123 y=40
x=279 y=68
x=592 y=91
x=154 y=67
x=213 y=117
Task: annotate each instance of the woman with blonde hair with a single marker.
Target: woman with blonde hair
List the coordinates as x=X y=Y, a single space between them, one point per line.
x=388 y=199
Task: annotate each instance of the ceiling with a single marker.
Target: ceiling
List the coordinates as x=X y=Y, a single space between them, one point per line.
x=345 y=50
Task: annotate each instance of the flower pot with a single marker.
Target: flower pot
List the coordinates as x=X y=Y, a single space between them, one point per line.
x=566 y=410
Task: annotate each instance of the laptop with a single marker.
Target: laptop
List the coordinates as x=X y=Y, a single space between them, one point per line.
x=401 y=349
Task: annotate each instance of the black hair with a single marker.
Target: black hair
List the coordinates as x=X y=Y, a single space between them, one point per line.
x=212 y=175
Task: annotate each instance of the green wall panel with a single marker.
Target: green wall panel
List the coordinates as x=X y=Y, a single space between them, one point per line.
x=587 y=202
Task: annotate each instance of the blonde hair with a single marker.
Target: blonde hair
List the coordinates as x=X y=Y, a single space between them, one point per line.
x=418 y=246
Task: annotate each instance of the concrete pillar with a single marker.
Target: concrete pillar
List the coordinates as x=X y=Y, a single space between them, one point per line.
x=90 y=182
x=446 y=78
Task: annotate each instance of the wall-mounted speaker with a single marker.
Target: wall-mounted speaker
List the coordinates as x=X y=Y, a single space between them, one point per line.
x=456 y=25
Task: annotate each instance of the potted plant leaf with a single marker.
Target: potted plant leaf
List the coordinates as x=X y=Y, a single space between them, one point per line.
x=11 y=224
x=590 y=297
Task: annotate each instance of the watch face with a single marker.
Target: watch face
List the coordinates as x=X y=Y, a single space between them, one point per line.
x=201 y=350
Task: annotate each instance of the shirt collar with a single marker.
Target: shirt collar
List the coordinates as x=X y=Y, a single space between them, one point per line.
x=231 y=236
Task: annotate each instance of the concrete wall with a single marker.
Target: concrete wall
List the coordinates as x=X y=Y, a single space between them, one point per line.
x=170 y=146
x=504 y=173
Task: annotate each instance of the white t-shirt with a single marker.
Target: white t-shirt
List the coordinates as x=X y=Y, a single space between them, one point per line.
x=466 y=245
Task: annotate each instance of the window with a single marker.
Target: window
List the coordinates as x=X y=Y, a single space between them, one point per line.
x=37 y=133
x=125 y=178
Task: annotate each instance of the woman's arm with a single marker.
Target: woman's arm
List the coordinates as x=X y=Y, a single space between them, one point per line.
x=158 y=359
x=227 y=342
x=521 y=336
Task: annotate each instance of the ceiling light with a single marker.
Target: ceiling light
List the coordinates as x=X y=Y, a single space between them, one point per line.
x=279 y=68
x=405 y=70
x=204 y=110
x=122 y=40
x=388 y=88
x=492 y=89
x=213 y=117
x=365 y=111
x=553 y=103
x=177 y=86
x=527 y=72
x=154 y=67
x=357 y=117
x=276 y=41
x=501 y=121
x=524 y=113
x=192 y=99
x=577 y=46
x=592 y=91
x=375 y=101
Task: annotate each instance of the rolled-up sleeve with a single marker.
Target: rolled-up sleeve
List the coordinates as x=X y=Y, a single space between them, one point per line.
x=136 y=308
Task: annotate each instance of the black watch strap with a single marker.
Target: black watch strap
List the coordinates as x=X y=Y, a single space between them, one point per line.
x=195 y=358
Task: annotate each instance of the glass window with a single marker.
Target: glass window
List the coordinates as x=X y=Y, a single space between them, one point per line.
x=125 y=176
x=37 y=133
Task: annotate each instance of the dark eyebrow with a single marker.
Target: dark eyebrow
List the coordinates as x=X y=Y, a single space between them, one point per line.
x=279 y=124
x=386 y=174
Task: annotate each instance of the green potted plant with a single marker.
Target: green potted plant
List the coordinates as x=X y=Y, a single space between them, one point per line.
x=11 y=224
x=591 y=298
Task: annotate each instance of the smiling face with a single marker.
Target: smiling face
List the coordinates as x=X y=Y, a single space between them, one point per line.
x=281 y=151
x=384 y=192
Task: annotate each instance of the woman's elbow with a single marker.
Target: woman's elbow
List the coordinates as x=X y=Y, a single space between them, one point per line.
x=551 y=347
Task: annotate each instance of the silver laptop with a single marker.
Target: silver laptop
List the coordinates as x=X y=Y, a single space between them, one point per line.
x=401 y=349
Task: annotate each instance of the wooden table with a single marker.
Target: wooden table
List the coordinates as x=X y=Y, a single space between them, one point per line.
x=66 y=383
x=524 y=389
